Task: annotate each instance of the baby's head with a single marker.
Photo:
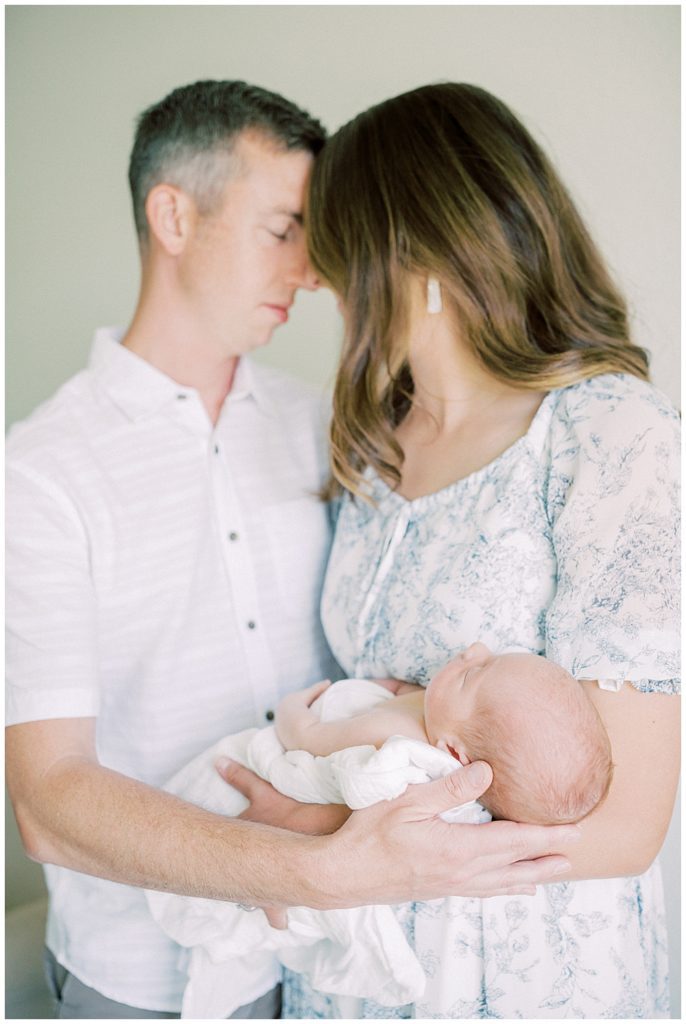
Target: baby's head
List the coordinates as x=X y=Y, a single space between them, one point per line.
x=534 y=725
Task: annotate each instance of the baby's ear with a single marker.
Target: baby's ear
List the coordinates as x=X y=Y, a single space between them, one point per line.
x=456 y=752
x=476 y=650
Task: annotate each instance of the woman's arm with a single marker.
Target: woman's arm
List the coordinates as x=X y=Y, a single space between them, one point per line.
x=613 y=504
x=624 y=835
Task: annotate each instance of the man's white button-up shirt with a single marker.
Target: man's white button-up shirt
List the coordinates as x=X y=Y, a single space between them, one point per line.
x=164 y=576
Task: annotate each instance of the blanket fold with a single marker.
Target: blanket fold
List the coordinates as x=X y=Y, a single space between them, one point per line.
x=361 y=952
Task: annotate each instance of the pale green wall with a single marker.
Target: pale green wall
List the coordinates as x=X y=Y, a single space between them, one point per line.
x=599 y=86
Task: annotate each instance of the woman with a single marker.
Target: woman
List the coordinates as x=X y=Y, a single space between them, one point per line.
x=503 y=472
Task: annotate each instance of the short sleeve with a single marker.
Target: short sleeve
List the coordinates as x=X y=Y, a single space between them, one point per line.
x=51 y=634
x=613 y=508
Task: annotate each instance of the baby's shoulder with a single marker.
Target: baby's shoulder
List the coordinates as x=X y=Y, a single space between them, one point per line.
x=403 y=715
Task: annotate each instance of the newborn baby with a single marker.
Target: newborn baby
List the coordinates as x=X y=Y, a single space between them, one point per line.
x=357 y=742
x=528 y=718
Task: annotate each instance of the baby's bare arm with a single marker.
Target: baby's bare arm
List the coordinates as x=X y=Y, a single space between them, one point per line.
x=298 y=727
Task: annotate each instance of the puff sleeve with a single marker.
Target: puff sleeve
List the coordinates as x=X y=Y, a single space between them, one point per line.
x=613 y=509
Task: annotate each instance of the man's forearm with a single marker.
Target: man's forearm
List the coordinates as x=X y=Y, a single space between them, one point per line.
x=73 y=812
x=96 y=821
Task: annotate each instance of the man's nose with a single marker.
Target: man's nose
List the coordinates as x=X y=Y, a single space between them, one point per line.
x=301 y=272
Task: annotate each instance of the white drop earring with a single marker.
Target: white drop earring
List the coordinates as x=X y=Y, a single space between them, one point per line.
x=434 y=303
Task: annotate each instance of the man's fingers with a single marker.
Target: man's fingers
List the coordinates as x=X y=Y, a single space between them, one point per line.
x=522 y=878
x=241 y=778
x=277 y=916
x=537 y=871
x=460 y=787
x=528 y=842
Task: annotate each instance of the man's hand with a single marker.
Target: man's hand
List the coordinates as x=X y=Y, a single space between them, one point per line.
x=270 y=807
x=277 y=916
x=401 y=850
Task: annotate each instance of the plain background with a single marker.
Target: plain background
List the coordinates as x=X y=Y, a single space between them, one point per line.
x=598 y=87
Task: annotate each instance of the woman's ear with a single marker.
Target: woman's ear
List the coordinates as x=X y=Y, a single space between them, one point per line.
x=169 y=211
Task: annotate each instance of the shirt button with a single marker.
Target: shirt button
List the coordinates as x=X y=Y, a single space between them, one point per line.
x=182 y=398
x=216 y=449
x=251 y=624
x=269 y=715
x=233 y=535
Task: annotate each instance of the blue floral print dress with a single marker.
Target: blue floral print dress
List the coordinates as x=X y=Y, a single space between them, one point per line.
x=565 y=545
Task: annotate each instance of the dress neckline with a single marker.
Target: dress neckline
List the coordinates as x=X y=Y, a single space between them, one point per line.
x=531 y=438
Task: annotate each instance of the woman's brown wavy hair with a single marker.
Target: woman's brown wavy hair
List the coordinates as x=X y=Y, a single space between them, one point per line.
x=445 y=181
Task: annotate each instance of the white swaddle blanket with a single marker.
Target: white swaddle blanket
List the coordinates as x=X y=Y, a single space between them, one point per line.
x=359 y=952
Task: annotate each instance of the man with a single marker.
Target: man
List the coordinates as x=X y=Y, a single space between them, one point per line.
x=165 y=555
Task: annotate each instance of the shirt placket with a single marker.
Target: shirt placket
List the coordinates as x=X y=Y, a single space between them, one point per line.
x=232 y=524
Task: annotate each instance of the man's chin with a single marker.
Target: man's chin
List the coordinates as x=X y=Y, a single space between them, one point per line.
x=264 y=337
x=259 y=339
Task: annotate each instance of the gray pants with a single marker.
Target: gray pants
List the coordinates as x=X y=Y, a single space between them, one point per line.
x=74 y=1000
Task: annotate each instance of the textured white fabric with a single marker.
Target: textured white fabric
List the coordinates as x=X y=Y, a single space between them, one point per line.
x=360 y=952
x=163 y=575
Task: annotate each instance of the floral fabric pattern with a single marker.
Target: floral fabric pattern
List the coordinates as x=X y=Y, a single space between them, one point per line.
x=565 y=545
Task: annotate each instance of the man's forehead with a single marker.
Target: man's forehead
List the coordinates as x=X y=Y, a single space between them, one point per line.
x=256 y=150
x=257 y=140
x=275 y=176
x=280 y=210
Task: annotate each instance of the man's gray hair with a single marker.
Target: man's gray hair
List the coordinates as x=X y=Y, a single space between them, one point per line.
x=187 y=139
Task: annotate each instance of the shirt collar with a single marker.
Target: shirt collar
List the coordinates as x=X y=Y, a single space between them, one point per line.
x=249 y=382
x=139 y=389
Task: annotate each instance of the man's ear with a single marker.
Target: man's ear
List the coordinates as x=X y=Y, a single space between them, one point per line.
x=169 y=211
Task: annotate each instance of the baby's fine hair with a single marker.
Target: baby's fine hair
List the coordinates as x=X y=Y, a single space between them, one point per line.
x=547 y=746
